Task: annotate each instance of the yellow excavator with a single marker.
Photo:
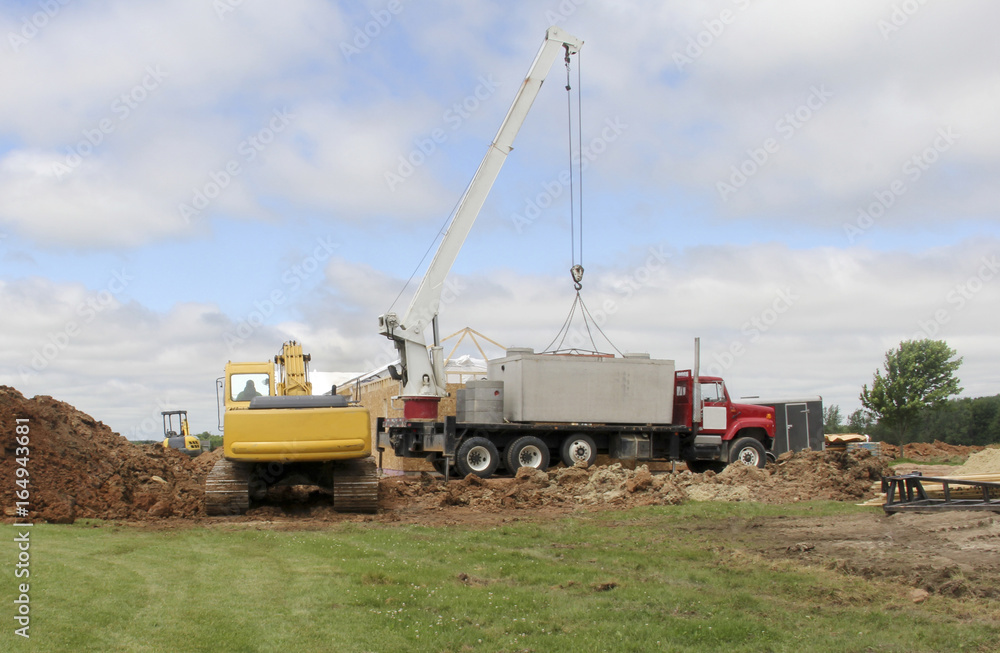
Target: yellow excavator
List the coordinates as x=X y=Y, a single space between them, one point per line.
x=179 y=438
x=276 y=432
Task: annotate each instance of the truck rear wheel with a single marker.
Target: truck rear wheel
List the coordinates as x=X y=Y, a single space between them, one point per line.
x=477 y=456
x=578 y=448
x=527 y=451
x=748 y=451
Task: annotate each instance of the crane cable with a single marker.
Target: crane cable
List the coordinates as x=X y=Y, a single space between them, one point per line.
x=577 y=268
x=576 y=271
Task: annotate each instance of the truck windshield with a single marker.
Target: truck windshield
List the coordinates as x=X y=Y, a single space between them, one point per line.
x=712 y=392
x=245 y=387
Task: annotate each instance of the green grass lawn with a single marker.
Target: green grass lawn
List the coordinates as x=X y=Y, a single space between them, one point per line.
x=641 y=580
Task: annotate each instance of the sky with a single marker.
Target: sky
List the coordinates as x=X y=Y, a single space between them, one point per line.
x=801 y=185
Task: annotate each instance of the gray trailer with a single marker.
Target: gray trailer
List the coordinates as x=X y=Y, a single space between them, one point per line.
x=798 y=423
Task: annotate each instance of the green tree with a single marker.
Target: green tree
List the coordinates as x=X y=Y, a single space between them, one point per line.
x=832 y=419
x=919 y=374
x=949 y=423
x=860 y=421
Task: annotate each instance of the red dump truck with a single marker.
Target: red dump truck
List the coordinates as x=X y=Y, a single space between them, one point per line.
x=534 y=410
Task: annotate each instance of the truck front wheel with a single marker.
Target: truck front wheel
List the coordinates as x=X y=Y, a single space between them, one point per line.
x=477 y=456
x=578 y=448
x=748 y=451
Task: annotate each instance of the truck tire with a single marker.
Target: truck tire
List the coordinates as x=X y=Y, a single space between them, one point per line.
x=578 y=448
x=528 y=451
x=477 y=456
x=748 y=451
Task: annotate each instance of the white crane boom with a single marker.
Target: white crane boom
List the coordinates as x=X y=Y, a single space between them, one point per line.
x=422 y=372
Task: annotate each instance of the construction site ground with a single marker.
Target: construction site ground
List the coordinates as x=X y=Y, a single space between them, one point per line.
x=80 y=469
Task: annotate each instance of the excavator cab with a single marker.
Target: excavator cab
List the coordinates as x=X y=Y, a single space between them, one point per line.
x=179 y=438
x=246 y=381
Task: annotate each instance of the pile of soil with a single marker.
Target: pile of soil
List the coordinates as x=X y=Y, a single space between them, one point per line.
x=801 y=476
x=933 y=451
x=78 y=467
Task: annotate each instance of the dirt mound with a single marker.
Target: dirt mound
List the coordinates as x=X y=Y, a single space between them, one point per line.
x=79 y=468
x=986 y=461
x=798 y=476
x=932 y=451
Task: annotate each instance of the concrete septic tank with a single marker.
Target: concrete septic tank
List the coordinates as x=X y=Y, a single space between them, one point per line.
x=584 y=389
x=480 y=402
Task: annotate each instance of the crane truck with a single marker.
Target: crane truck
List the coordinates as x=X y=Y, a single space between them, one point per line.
x=535 y=407
x=276 y=432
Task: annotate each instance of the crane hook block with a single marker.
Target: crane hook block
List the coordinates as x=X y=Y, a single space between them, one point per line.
x=577 y=272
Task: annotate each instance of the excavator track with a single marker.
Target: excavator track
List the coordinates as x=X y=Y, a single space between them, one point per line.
x=227 y=488
x=355 y=486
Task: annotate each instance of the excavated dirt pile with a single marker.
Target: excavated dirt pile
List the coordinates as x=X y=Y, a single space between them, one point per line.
x=936 y=451
x=795 y=477
x=79 y=468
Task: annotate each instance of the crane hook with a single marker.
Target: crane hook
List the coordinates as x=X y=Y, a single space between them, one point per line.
x=577 y=273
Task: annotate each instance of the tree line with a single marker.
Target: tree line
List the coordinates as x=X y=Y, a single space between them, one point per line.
x=912 y=400
x=963 y=421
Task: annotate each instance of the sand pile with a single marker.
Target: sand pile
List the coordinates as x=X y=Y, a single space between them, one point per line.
x=79 y=468
x=986 y=461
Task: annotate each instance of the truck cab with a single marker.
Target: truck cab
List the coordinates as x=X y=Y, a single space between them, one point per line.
x=725 y=432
